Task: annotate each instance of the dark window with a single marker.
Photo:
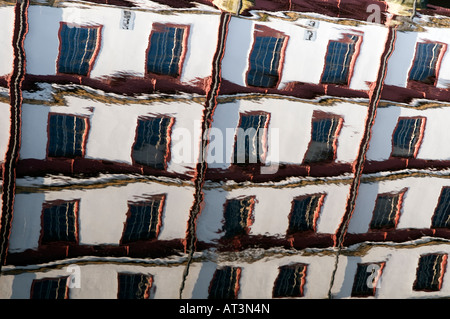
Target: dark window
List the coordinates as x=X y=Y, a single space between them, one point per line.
x=290 y=281
x=166 y=49
x=77 y=49
x=441 y=217
x=406 y=137
x=143 y=220
x=250 y=138
x=264 y=70
x=66 y=135
x=425 y=63
x=134 y=286
x=387 y=211
x=338 y=60
x=323 y=140
x=225 y=283
x=430 y=272
x=59 y=222
x=238 y=215
x=366 y=278
x=152 y=142
x=50 y=288
x=304 y=214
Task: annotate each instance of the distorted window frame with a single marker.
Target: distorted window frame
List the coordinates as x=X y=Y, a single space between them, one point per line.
x=85 y=135
x=96 y=51
x=261 y=158
x=317 y=212
x=49 y=204
x=250 y=218
x=438 y=63
x=66 y=295
x=381 y=266
x=351 y=68
x=419 y=141
x=264 y=31
x=398 y=213
x=320 y=115
x=443 y=267
x=237 y=279
x=302 y=283
x=159 y=27
x=143 y=202
x=147 y=294
x=437 y=206
x=168 y=154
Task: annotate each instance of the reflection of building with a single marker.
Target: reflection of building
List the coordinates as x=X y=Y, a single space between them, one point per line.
x=398 y=208
x=117 y=217
x=78 y=136
x=116 y=111
x=303 y=57
x=7 y=25
x=138 y=49
x=397 y=271
x=287 y=216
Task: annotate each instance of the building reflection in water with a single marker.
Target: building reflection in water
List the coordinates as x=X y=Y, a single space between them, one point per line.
x=224 y=149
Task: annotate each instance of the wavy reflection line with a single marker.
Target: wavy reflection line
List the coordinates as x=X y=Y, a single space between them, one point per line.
x=210 y=105
x=364 y=146
x=12 y=154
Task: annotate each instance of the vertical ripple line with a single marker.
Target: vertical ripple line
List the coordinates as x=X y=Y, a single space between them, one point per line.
x=208 y=113
x=12 y=153
x=358 y=167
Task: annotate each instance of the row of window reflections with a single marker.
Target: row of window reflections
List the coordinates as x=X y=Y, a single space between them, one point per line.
x=68 y=137
x=60 y=221
x=144 y=219
x=290 y=281
x=306 y=209
x=79 y=47
x=386 y=213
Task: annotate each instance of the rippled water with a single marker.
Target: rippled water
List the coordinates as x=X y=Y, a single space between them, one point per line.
x=224 y=149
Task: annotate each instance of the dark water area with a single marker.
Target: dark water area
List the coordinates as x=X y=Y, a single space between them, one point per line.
x=224 y=150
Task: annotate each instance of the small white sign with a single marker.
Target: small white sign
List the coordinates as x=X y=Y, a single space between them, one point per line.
x=313 y=24
x=127 y=21
x=310 y=35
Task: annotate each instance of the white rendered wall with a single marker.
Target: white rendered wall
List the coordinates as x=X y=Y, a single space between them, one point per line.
x=5 y=125
x=415 y=213
x=6 y=37
x=398 y=275
x=41 y=43
x=402 y=58
x=304 y=59
x=102 y=213
x=112 y=129
x=258 y=278
x=99 y=281
x=96 y=281
x=272 y=209
x=292 y=122
x=434 y=144
x=122 y=51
